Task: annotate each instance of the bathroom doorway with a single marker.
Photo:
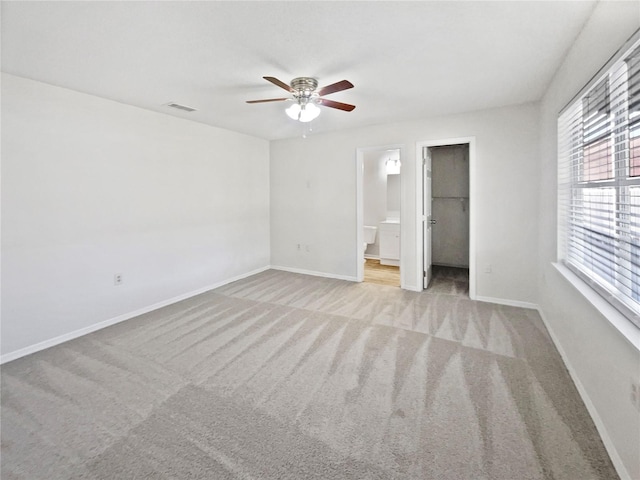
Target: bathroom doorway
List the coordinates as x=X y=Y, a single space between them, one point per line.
x=379 y=204
x=448 y=250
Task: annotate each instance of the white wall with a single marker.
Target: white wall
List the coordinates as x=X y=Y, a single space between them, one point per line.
x=313 y=197
x=91 y=188
x=602 y=361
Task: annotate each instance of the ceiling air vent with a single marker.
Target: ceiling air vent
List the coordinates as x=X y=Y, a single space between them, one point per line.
x=181 y=107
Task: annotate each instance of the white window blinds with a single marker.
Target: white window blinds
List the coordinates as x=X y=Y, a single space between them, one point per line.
x=599 y=183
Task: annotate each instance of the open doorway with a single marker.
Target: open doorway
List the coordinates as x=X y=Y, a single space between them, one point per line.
x=450 y=216
x=380 y=194
x=448 y=247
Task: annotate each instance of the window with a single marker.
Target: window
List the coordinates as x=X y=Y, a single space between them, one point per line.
x=599 y=183
x=633 y=86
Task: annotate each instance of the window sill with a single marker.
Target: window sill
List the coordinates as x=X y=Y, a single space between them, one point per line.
x=617 y=319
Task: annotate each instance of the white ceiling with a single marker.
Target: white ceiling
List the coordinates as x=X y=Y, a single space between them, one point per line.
x=407 y=60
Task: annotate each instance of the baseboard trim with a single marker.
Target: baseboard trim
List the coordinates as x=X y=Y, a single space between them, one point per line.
x=412 y=288
x=314 y=273
x=22 y=352
x=504 y=301
x=602 y=430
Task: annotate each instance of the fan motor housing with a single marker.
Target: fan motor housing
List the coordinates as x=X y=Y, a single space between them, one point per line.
x=304 y=86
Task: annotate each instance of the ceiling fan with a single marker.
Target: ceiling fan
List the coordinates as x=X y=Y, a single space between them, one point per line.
x=307 y=97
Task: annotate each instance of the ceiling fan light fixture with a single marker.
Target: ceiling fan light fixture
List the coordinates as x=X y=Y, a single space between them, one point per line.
x=303 y=113
x=293 y=112
x=307 y=97
x=309 y=112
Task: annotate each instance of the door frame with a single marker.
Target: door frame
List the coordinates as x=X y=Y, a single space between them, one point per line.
x=427 y=215
x=360 y=151
x=471 y=141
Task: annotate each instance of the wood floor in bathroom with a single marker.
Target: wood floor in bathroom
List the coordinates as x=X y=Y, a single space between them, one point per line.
x=381 y=274
x=446 y=280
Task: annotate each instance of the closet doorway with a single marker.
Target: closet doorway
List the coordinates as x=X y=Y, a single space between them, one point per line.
x=450 y=212
x=447 y=212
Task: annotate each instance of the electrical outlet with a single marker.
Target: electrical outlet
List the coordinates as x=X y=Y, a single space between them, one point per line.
x=635 y=394
x=298 y=246
x=117 y=279
x=487 y=269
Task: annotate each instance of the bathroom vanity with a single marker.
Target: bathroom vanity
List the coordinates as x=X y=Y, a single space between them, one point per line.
x=389 y=238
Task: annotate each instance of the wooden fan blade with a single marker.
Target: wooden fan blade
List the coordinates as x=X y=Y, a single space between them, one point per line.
x=268 y=100
x=339 y=105
x=279 y=83
x=335 y=87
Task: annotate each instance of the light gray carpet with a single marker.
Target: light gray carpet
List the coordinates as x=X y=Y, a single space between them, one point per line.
x=285 y=376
